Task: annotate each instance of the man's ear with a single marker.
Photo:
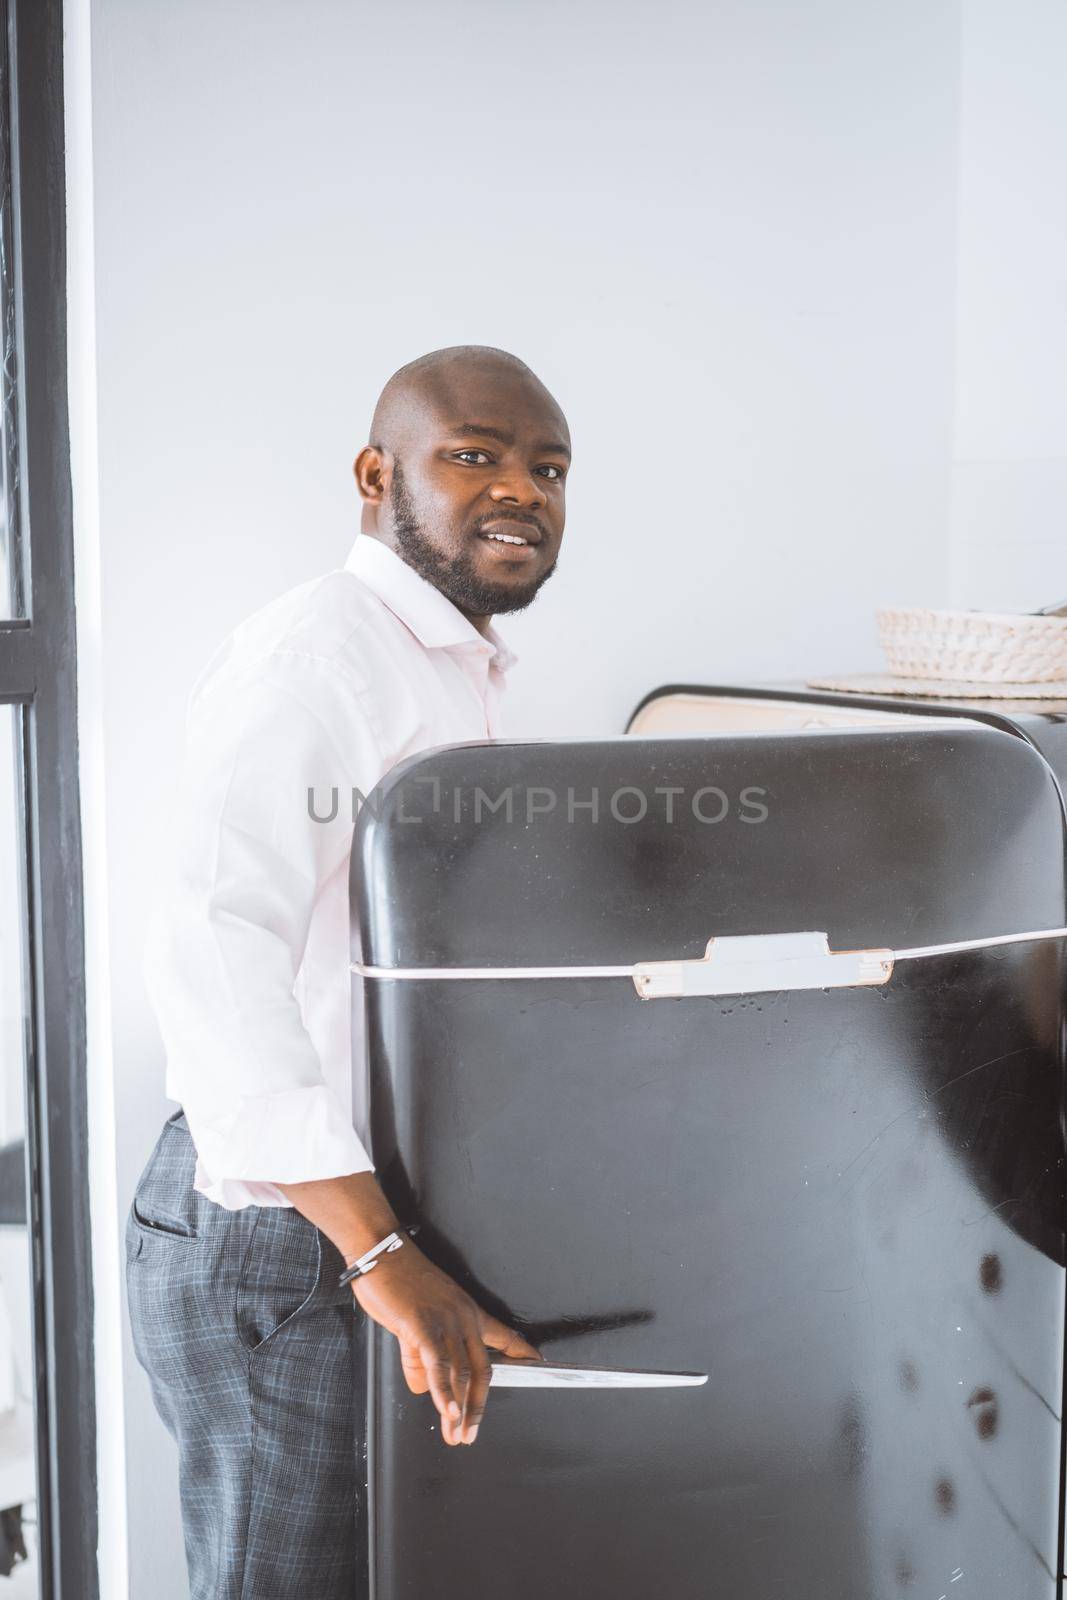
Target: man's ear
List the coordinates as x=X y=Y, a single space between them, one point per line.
x=372 y=470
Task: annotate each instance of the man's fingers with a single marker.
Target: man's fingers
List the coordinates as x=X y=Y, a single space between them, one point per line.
x=478 y=1389
x=414 y=1371
x=499 y=1337
x=446 y=1356
x=439 y=1373
x=459 y=1378
x=447 y=1369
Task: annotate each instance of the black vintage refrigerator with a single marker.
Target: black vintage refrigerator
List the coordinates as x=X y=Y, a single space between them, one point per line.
x=739 y=1054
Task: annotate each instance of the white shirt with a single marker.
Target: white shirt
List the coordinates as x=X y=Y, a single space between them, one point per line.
x=247 y=963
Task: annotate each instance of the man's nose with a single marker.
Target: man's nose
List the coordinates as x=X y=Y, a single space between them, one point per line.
x=518 y=487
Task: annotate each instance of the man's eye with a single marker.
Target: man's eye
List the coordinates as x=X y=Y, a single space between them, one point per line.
x=558 y=471
x=462 y=454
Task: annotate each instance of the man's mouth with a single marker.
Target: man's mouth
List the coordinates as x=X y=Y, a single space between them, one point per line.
x=511 y=537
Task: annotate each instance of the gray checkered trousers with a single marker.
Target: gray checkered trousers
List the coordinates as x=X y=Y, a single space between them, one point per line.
x=247 y=1341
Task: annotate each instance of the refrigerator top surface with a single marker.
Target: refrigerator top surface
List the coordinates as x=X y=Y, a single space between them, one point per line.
x=686 y=710
x=792 y=703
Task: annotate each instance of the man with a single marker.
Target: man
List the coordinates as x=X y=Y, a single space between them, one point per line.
x=261 y=1190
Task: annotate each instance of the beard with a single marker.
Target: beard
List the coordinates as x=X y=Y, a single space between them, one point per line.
x=454 y=576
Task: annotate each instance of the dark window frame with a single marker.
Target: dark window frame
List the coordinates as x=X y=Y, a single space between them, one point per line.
x=38 y=673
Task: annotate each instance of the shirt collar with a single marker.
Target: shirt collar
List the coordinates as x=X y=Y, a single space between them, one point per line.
x=432 y=618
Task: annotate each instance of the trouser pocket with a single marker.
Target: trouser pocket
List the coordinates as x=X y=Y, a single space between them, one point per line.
x=164 y=1201
x=172 y=1246
x=281 y=1273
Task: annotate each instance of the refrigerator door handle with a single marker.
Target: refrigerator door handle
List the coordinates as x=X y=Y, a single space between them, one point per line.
x=763 y=962
x=511 y=1374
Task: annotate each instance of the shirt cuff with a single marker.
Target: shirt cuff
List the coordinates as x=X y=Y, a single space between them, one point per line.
x=291 y=1136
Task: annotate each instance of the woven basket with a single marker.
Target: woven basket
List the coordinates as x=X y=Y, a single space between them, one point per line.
x=977 y=646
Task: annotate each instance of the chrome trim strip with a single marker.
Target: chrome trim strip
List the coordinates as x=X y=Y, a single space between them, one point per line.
x=490 y=972
x=920 y=951
x=653 y=979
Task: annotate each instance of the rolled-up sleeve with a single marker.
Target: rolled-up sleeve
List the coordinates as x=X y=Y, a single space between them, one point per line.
x=264 y=824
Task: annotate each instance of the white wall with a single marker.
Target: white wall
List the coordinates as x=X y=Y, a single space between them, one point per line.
x=724 y=233
x=95 y=744
x=1009 y=474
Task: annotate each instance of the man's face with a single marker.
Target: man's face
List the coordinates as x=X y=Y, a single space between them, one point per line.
x=475 y=498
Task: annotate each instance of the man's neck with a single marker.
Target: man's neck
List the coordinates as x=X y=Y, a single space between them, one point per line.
x=481 y=623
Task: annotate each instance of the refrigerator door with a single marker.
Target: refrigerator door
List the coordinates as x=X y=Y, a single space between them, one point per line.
x=843 y=1205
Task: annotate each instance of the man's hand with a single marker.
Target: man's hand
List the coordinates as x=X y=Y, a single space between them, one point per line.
x=442 y=1335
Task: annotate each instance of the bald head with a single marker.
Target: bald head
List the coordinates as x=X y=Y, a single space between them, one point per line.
x=442 y=378
x=464 y=475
